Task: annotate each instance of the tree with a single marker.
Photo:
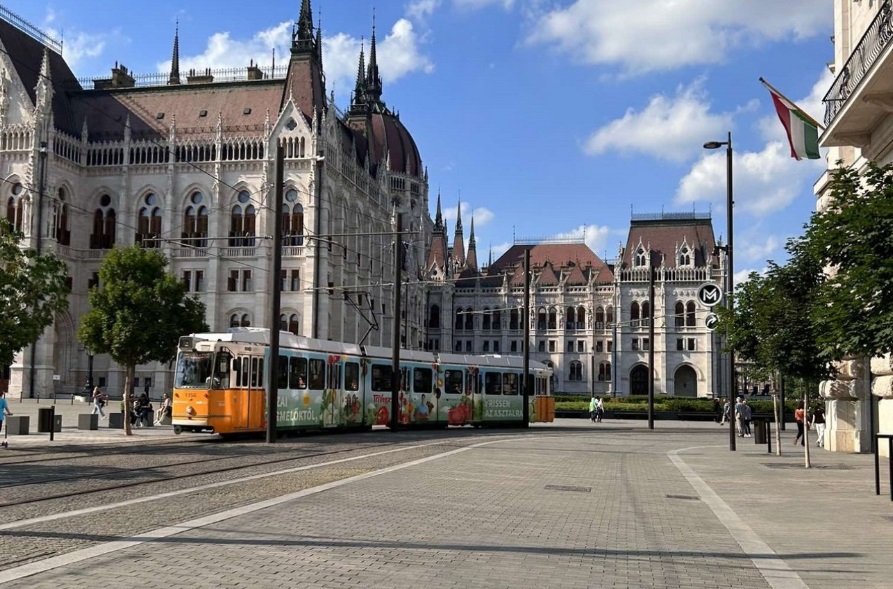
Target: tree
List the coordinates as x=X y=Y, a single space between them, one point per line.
x=853 y=237
x=138 y=312
x=33 y=289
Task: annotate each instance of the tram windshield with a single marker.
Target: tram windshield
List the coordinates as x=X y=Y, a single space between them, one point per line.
x=194 y=370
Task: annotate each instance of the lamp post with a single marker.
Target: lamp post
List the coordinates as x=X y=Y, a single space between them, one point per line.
x=730 y=271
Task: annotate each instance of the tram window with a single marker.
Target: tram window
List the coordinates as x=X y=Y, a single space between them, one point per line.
x=381 y=378
x=509 y=384
x=452 y=381
x=493 y=383
x=193 y=369
x=297 y=373
x=421 y=380
x=334 y=376
x=255 y=371
x=237 y=371
x=317 y=380
x=404 y=379
x=352 y=376
x=224 y=359
x=243 y=378
x=282 y=373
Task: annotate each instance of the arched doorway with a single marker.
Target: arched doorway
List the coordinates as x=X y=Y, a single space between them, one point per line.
x=638 y=380
x=686 y=382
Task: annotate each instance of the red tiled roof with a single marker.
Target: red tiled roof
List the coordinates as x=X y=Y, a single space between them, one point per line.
x=559 y=254
x=547 y=276
x=664 y=235
x=575 y=277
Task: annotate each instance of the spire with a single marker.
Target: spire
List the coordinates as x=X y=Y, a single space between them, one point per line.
x=319 y=43
x=302 y=37
x=458 y=241
x=373 y=79
x=174 y=78
x=459 y=217
x=359 y=92
x=43 y=98
x=438 y=219
x=471 y=260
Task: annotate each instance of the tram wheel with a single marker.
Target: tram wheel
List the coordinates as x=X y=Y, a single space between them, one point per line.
x=178 y=429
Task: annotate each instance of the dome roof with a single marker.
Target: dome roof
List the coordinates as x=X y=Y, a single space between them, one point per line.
x=391 y=138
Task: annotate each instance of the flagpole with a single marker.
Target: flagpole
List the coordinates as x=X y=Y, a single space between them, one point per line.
x=772 y=89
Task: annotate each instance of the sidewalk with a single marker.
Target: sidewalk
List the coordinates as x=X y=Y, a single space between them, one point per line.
x=70 y=434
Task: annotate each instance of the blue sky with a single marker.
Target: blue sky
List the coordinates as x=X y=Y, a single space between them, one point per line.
x=543 y=117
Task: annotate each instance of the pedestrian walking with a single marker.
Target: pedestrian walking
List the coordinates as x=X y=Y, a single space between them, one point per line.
x=725 y=413
x=599 y=409
x=717 y=410
x=800 y=418
x=4 y=411
x=739 y=416
x=747 y=419
x=593 y=405
x=99 y=399
x=818 y=422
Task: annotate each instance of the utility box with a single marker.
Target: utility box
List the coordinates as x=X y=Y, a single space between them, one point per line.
x=88 y=421
x=45 y=419
x=18 y=425
x=116 y=421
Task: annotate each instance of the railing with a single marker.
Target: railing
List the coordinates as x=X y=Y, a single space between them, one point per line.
x=236 y=74
x=30 y=29
x=292 y=251
x=239 y=252
x=870 y=46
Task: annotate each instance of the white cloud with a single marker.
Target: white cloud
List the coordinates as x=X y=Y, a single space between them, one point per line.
x=763 y=182
x=662 y=35
x=422 y=9
x=755 y=247
x=498 y=249
x=77 y=46
x=668 y=128
x=399 y=54
x=481 y=215
x=482 y=3
x=741 y=276
x=595 y=236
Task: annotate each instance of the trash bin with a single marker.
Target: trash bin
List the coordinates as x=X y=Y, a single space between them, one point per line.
x=759 y=427
x=45 y=420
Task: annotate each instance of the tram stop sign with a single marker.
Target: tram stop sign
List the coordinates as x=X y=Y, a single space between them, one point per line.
x=711 y=321
x=709 y=295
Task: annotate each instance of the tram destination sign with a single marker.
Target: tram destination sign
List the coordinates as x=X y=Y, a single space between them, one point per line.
x=709 y=295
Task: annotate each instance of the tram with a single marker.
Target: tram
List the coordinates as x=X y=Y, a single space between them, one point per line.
x=220 y=385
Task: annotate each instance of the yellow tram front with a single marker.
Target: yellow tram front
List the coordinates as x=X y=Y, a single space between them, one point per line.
x=218 y=387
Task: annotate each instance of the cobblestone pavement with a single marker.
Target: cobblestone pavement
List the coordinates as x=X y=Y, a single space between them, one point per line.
x=571 y=505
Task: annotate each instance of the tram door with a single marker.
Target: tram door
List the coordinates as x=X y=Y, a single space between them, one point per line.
x=333 y=396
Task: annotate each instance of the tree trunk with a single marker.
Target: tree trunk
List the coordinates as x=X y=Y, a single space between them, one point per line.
x=129 y=371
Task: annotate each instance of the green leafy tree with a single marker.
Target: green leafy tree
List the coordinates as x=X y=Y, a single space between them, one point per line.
x=138 y=312
x=853 y=237
x=33 y=289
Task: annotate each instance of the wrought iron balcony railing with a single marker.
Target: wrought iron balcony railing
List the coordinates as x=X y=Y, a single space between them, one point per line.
x=869 y=48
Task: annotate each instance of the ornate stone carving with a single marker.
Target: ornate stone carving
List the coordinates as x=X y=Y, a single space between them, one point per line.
x=841 y=389
x=850 y=369
x=882 y=386
x=882 y=365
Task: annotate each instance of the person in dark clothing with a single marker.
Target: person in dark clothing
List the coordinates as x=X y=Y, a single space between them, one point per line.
x=141 y=408
x=717 y=411
x=818 y=422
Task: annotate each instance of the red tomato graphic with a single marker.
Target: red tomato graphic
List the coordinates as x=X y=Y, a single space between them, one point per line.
x=383 y=417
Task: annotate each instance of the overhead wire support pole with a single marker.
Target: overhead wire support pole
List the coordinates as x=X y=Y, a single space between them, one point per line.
x=527 y=380
x=651 y=347
x=395 y=359
x=275 y=286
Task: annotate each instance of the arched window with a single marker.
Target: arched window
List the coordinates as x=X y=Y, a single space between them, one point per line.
x=195 y=221
x=570 y=313
x=581 y=317
x=149 y=222
x=541 y=319
x=104 y=222
x=234 y=320
x=469 y=319
x=514 y=319
x=497 y=320
x=59 y=224
x=684 y=256
x=486 y=319
x=690 y=314
x=576 y=370
x=15 y=207
x=646 y=313
x=292 y=219
x=459 y=321
x=242 y=221
x=634 y=314
x=599 y=318
x=553 y=318
x=679 y=314
x=640 y=257
x=289 y=322
x=604 y=371
x=434 y=317
x=609 y=317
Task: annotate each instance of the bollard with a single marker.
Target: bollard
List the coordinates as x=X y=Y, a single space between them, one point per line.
x=52 y=420
x=768 y=436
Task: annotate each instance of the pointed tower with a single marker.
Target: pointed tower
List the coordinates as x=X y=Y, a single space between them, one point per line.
x=358 y=104
x=458 y=241
x=437 y=253
x=373 y=79
x=174 y=78
x=305 y=82
x=438 y=217
x=471 y=260
x=43 y=92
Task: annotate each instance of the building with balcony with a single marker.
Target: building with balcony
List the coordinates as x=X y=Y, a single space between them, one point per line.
x=859 y=130
x=589 y=318
x=185 y=164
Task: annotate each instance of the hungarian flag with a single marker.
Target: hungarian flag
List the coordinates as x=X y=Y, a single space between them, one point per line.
x=802 y=130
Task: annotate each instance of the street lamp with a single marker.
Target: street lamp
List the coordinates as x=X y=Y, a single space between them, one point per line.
x=730 y=270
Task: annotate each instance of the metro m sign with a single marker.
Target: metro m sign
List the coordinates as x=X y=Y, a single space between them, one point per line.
x=709 y=295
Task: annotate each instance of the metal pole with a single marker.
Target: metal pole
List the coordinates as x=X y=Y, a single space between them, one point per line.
x=395 y=360
x=730 y=277
x=781 y=390
x=41 y=187
x=525 y=411
x=651 y=347
x=275 y=285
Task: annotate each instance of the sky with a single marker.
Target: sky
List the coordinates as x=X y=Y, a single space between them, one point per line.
x=538 y=118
